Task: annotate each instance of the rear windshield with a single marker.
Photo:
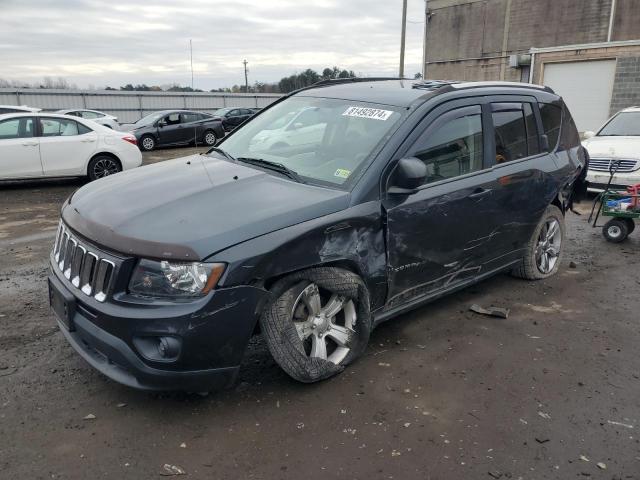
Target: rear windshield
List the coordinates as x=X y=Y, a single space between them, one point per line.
x=623 y=124
x=325 y=140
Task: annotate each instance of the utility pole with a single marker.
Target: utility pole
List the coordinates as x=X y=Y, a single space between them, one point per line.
x=424 y=45
x=191 y=56
x=404 y=34
x=246 y=78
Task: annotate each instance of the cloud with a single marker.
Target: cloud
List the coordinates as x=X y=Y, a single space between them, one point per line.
x=117 y=42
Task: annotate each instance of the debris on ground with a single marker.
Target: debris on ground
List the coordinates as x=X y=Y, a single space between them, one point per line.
x=183 y=445
x=601 y=466
x=382 y=364
x=584 y=459
x=625 y=425
x=544 y=415
x=542 y=440
x=121 y=405
x=491 y=311
x=171 y=470
x=91 y=416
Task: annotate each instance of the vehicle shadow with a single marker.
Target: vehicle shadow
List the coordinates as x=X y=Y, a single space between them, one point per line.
x=37 y=183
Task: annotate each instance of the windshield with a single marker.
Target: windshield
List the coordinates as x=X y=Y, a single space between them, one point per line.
x=626 y=123
x=322 y=139
x=149 y=119
x=222 y=111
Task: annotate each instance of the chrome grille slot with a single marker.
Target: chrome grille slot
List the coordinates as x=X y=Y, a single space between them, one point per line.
x=603 y=165
x=86 y=270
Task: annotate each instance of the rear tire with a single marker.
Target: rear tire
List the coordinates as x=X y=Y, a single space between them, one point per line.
x=317 y=322
x=616 y=230
x=545 y=247
x=209 y=138
x=103 y=166
x=147 y=143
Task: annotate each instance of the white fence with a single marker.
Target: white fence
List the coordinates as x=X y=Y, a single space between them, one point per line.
x=130 y=106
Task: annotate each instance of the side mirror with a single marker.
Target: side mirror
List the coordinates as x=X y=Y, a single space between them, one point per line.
x=588 y=134
x=409 y=174
x=161 y=124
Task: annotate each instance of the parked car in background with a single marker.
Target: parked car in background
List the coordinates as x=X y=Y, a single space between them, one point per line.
x=99 y=117
x=37 y=145
x=618 y=140
x=16 y=109
x=416 y=189
x=176 y=127
x=232 y=117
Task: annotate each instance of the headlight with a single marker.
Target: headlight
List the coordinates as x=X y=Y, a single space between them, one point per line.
x=174 y=279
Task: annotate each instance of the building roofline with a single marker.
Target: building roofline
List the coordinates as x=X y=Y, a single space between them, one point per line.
x=585 y=46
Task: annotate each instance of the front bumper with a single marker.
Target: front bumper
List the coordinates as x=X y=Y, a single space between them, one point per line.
x=598 y=181
x=213 y=332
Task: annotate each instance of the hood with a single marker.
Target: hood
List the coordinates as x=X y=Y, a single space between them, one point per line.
x=613 y=147
x=192 y=207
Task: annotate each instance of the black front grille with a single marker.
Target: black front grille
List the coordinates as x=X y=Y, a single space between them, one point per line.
x=82 y=265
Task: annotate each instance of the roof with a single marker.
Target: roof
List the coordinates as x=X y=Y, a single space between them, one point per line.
x=398 y=92
x=23 y=108
x=631 y=109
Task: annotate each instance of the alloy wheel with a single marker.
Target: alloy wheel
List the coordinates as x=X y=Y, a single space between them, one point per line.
x=325 y=323
x=148 y=143
x=548 y=247
x=105 y=167
x=210 y=138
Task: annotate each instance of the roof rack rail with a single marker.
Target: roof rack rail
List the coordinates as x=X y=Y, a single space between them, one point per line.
x=337 y=81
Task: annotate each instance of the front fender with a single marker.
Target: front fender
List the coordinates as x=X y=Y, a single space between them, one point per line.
x=352 y=238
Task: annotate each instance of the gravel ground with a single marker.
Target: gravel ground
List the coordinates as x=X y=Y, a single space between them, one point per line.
x=441 y=393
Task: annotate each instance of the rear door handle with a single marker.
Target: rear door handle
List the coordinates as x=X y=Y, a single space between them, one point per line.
x=480 y=192
x=88 y=140
x=30 y=144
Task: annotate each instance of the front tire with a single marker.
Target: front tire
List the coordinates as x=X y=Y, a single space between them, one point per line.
x=102 y=166
x=616 y=230
x=147 y=143
x=545 y=247
x=317 y=322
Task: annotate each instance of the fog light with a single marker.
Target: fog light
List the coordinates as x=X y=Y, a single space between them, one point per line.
x=168 y=347
x=159 y=348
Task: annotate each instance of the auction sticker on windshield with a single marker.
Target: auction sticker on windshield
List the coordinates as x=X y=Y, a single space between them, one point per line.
x=364 y=112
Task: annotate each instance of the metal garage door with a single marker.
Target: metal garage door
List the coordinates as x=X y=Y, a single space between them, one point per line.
x=586 y=88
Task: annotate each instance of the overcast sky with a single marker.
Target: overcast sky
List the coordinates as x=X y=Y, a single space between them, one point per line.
x=113 y=42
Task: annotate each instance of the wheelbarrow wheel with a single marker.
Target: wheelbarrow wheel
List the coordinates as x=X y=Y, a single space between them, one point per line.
x=631 y=225
x=616 y=230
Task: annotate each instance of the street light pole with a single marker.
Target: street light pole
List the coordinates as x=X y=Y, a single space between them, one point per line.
x=404 y=34
x=246 y=78
x=424 y=45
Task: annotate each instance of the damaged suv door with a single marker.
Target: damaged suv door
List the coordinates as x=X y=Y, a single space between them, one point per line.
x=438 y=235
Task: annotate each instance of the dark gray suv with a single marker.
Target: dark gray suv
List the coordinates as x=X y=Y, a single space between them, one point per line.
x=392 y=194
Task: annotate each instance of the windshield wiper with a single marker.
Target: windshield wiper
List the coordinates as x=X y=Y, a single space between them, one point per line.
x=275 y=166
x=221 y=152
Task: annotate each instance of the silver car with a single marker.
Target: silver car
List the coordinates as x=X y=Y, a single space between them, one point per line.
x=93 y=115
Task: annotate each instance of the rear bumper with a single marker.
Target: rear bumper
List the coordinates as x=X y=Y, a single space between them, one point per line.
x=213 y=333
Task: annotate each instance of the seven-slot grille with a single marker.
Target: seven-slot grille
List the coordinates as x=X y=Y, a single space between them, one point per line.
x=83 y=268
x=603 y=164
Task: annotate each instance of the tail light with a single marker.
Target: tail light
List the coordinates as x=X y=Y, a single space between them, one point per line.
x=131 y=139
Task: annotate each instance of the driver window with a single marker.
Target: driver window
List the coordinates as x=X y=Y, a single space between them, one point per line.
x=454 y=147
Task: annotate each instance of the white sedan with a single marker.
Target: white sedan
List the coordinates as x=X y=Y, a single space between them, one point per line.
x=98 y=117
x=616 y=145
x=37 y=145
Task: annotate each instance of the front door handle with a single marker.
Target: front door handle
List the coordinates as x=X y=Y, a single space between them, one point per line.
x=30 y=144
x=480 y=192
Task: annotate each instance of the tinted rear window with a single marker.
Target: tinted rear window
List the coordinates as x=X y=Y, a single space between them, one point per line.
x=551 y=119
x=569 y=137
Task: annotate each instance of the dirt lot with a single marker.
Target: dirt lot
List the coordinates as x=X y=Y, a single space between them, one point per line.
x=442 y=393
